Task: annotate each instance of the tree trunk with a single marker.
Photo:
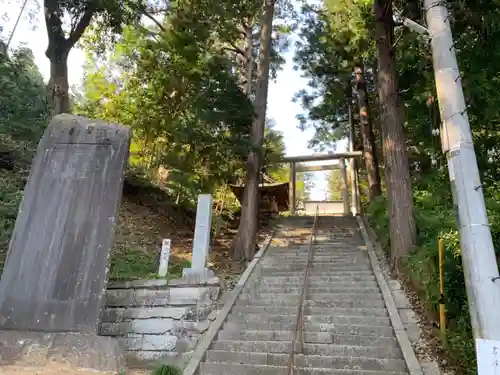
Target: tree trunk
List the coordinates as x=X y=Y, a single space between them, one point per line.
x=368 y=137
x=59 y=47
x=249 y=60
x=58 y=83
x=244 y=242
x=245 y=60
x=401 y=221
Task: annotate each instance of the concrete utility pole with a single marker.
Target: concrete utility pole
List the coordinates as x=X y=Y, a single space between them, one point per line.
x=478 y=256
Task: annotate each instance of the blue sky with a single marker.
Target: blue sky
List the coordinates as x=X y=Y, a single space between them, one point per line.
x=280 y=105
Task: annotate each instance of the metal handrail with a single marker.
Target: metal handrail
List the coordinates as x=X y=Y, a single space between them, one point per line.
x=299 y=323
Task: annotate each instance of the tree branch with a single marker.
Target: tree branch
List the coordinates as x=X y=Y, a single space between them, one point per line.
x=244 y=24
x=241 y=29
x=150 y=16
x=80 y=28
x=234 y=49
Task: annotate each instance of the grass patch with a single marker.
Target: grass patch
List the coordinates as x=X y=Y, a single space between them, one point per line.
x=166 y=369
x=136 y=264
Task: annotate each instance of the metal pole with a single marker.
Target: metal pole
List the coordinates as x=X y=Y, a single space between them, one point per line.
x=442 y=307
x=345 y=190
x=292 y=187
x=478 y=256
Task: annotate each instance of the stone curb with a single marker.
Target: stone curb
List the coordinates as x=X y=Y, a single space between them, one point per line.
x=411 y=360
x=405 y=310
x=211 y=333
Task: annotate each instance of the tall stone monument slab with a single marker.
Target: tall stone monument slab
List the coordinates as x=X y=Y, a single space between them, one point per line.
x=201 y=240
x=57 y=265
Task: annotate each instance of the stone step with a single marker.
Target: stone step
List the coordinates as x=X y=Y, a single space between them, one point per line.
x=349 y=277
x=328 y=329
x=330 y=362
x=388 y=352
x=344 y=303
x=311 y=285
x=299 y=267
x=344 y=250
x=318 y=260
x=347 y=244
x=369 y=321
x=328 y=259
x=334 y=252
x=313 y=289
x=292 y=310
x=313 y=274
x=317 y=252
x=339 y=334
x=239 y=369
x=319 y=297
x=283 y=264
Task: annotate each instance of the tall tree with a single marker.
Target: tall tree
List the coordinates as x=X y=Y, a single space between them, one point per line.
x=368 y=137
x=397 y=174
x=337 y=44
x=244 y=243
x=179 y=93
x=114 y=14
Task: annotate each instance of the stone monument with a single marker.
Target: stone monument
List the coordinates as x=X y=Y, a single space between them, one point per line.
x=201 y=241
x=55 y=276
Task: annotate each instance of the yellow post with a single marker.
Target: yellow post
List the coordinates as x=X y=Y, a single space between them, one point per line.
x=442 y=312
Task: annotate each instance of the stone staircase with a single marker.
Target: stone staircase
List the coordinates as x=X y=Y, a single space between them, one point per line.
x=346 y=326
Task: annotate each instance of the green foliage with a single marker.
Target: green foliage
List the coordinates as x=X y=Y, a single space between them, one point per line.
x=179 y=93
x=335 y=37
x=23 y=117
x=166 y=369
x=23 y=108
x=108 y=17
x=303 y=187
x=274 y=149
x=436 y=218
x=193 y=122
x=335 y=185
x=10 y=198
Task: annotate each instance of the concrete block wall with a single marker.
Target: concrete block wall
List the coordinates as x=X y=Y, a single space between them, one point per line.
x=156 y=320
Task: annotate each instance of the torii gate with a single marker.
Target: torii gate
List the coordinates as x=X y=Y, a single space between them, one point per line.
x=293 y=160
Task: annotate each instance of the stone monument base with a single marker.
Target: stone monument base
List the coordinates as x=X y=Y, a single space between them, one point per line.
x=196 y=276
x=41 y=353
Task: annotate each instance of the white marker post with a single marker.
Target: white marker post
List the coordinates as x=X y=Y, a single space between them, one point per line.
x=164 y=258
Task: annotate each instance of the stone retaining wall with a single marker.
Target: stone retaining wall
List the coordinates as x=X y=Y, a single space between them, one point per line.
x=159 y=321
